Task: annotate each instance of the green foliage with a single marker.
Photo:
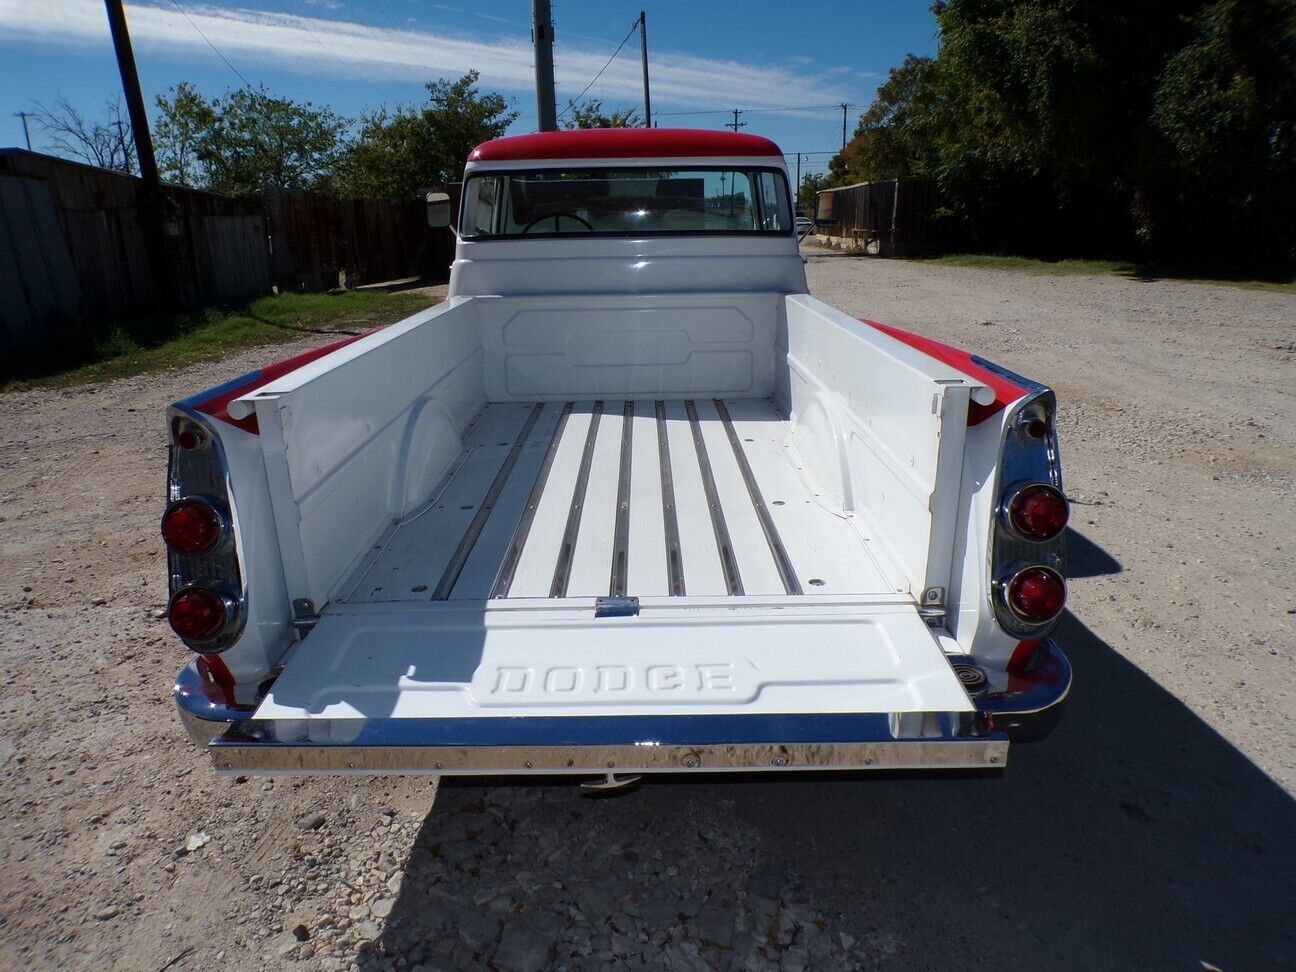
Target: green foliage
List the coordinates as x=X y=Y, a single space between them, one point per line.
x=148 y=344
x=1225 y=114
x=591 y=115
x=810 y=185
x=245 y=142
x=896 y=133
x=1089 y=126
x=401 y=151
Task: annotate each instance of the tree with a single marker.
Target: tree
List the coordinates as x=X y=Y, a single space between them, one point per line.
x=1224 y=114
x=246 y=141
x=181 y=135
x=1099 y=126
x=401 y=151
x=107 y=143
x=895 y=135
x=590 y=115
x=807 y=200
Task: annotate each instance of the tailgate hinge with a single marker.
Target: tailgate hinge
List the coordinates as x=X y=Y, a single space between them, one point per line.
x=932 y=609
x=616 y=607
x=304 y=615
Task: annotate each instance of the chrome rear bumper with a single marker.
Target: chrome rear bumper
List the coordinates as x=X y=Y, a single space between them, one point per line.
x=1026 y=705
x=236 y=753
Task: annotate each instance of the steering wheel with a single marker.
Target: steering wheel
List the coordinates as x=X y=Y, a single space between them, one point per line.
x=555 y=217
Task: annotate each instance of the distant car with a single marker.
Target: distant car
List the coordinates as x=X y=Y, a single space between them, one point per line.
x=804 y=226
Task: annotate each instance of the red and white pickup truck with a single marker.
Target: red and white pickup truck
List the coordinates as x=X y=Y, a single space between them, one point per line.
x=630 y=500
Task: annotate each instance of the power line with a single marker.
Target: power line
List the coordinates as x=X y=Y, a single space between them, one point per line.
x=572 y=102
x=245 y=81
x=305 y=22
x=727 y=111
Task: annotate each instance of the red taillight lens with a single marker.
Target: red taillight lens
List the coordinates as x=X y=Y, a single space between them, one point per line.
x=1036 y=594
x=1039 y=512
x=198 y=614
x=192 y=527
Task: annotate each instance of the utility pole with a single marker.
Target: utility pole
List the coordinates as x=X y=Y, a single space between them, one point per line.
x=151 y=204
x=844 y=106
x=796 y=196
x=24 y=115
x=542 y=38
x=736 y=124
x=134 y=97
x=643 y=57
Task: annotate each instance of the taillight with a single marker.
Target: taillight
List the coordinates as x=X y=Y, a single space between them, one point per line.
x=200 y=614
x=1036 y=594
x=1038 y=512
x=193 y=527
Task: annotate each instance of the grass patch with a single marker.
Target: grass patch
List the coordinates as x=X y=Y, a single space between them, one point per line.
x=988 y=261
x=1123 y=268
x=148 y=344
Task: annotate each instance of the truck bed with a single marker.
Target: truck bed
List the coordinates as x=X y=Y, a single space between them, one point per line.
x=622 y=498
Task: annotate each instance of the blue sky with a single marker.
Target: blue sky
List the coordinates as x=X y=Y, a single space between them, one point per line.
x=705 y=57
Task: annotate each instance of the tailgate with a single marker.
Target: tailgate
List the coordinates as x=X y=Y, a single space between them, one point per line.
x=586 y=685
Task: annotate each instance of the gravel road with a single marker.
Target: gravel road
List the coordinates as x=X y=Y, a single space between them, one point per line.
x=1155 y=829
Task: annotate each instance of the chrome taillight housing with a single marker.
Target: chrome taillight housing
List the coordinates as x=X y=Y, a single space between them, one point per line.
x=1027 y=588
x=207 y=606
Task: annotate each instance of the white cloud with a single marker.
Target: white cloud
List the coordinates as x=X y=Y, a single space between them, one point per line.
x=314 y=46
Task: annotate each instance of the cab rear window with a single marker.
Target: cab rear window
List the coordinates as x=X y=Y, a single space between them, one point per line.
x=626 y=202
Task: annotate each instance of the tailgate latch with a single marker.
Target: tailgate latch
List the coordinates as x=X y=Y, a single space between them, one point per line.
x=616 y=607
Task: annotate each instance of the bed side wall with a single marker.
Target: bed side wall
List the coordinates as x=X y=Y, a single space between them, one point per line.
x=881 y=429
x=350 y=448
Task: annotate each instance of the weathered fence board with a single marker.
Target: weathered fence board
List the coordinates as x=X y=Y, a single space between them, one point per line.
x=37 y=278
x=74 y=254
x=318 y=242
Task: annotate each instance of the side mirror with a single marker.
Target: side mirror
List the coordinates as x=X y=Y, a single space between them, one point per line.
x=438 y=209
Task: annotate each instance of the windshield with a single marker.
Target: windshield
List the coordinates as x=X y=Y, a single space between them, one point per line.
x=626 y=202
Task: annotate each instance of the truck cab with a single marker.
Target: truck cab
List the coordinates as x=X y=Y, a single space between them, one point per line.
x=630 y=500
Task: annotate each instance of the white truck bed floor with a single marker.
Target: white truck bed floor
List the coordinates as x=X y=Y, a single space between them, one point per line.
x=646 y=499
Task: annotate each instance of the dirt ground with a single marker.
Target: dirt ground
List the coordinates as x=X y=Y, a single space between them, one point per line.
x=1155 y=829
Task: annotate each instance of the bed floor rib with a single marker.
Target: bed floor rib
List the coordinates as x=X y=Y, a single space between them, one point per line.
x=623 y=498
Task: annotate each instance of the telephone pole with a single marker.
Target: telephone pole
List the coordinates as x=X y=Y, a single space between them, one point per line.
x=134 y=97
x=736 y=124
x=844 y=106
x=542 y=38
x=796 y=196
x=24 y=115
x=643 y=57
x=151 y=202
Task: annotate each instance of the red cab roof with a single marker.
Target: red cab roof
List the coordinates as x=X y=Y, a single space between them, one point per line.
x=624 y=143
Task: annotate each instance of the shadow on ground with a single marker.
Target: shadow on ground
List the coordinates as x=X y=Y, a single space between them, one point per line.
x=1084 y=558
x=1134 y=837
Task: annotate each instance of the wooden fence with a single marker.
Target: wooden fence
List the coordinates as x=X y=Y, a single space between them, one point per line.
x=895 y=214
x=318 y=242
x=74 y=255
